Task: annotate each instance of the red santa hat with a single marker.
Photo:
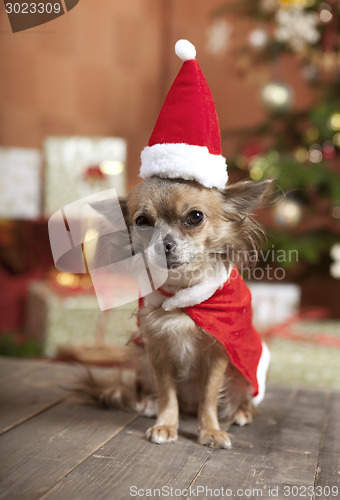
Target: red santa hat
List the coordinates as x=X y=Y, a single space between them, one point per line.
x=186 y=140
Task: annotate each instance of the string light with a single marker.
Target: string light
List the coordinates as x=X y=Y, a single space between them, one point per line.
x=328 y=150
x=312 y=134
x=111 y=167
x=288 y=213
x=301 y=155
x=334 y=269
x=277 y=96
x=325 y=16
x=258 y=39
x=336 y=212
x=336 y=139
x=334 y=121
x=256 y=173
x=67 y=279
x=315 y=154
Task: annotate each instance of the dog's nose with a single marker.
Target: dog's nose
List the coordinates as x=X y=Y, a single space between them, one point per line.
x=169 y=245
x=166 y=246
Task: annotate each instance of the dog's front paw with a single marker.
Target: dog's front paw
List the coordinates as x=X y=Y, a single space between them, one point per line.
x=215 y=438
x=160 y=434
x=243 y=417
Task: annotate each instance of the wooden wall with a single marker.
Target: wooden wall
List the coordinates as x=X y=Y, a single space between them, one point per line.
x=104 y=69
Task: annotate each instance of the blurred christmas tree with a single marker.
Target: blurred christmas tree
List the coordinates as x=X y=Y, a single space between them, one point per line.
x=301 y=150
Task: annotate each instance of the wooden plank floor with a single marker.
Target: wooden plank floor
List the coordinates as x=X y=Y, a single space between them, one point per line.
x=53 y=449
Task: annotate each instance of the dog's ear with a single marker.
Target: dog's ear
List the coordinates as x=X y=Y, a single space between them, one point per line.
x=112 y=209
x=245 y=196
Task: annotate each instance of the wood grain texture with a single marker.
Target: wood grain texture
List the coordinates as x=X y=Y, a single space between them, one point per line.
x=14 y=367
x=129 y=461
x=31 y=389
x=43 y=450
x=69 y=451
x=280 y=448
x=328 y=469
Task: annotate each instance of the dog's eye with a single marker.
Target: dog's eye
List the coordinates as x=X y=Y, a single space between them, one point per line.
x=194 y=218
x=143 y=222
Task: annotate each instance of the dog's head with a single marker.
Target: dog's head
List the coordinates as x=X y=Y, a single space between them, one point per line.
x=198 y=226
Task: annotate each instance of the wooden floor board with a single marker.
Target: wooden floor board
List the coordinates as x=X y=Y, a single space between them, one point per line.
x=12 y=368
x=55 y=449
x=130 y=461
x=328 y=473
x=281 y=445
x=279 y=450
x=39 y=453
x=36 y=388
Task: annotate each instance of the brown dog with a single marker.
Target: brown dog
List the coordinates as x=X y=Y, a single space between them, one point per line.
x=180 y=365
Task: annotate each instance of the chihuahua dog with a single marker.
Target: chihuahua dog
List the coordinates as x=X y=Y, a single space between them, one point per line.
x=179 y=365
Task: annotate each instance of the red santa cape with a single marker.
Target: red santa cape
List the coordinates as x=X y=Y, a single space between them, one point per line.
x=227 y=316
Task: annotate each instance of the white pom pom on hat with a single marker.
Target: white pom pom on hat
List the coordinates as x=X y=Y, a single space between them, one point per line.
x=185 y=50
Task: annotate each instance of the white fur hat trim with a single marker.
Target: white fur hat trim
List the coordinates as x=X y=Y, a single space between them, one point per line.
x=184 y=161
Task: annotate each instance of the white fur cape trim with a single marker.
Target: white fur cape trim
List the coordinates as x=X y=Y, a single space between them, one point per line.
x=184 y=161
x=197 y=294
x=261 y=374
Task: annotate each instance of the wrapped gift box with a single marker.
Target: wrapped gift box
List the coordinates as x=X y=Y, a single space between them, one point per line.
x=273 y=303
x=306 y=353
x=76 y=167
x=20 y=183
x=70 y=323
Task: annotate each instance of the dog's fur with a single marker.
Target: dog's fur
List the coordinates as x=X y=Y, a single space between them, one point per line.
x=181 y=367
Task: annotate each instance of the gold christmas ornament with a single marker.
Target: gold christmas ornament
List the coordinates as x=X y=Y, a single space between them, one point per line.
x=258 y=39
x=277 y=96
x=325 y=16
x=256 y=173
x=336 y=139
x=334 y=269
x=288 y=213
x=301 y=155
x=334 y=121
x=315 y=154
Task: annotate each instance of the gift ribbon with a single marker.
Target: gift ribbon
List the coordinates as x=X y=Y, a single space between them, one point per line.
x=284 y=330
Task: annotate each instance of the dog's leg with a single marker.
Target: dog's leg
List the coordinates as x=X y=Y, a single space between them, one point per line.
x=210 y=433
x=244 y=414
x=235 y=406
x=165 y=428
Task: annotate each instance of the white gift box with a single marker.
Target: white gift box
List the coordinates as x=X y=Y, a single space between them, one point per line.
x=273 y=303
x=67 y=319
x=68 y=163
x=20 y=183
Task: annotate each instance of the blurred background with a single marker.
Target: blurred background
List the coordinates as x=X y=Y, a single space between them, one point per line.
x=79 y=98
